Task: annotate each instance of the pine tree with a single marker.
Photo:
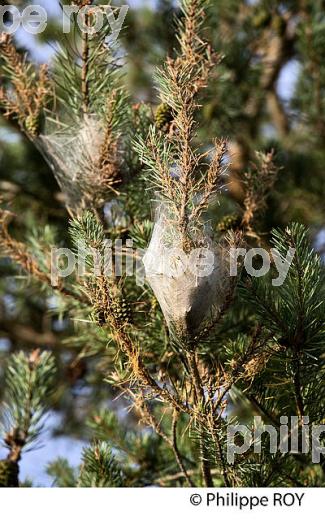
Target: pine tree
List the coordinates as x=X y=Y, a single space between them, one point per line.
x=245 y=348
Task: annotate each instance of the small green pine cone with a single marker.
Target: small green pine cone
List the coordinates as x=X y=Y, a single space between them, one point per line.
x=163 y=117
x=9 y=473
x=33 y=124
x=122 y=311
x=229 y=222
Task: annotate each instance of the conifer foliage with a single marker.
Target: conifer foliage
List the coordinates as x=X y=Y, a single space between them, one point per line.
x=168 y=365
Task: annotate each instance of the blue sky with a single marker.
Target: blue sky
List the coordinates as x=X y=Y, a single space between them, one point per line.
x=49 y=448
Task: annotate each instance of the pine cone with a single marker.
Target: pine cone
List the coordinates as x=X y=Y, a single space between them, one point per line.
x=9 y=473
x=122 y=311
x=33 y=124
x=163 y=117
x=229 y=222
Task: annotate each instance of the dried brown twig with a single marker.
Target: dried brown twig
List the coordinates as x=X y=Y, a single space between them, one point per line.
x=18 y=253
x=30 y=90
x=189 y=189
x=258 y=183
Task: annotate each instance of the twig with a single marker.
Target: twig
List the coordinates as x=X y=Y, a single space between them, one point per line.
x=176 y=451
x=85 y=67
x=150 y=419
x=199 y=401
x=176 y=476
x=219 y=448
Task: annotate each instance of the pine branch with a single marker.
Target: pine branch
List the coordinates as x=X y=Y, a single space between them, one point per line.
x=190 y=188
x=103 y=292
x=177 y=452
x=258 y=184
x=63 y=473
x=294 y=314
x=100 y=468
x=19 y=253
x=29 y=383
x=149 y=418
x=199 y=401
x=30 y=89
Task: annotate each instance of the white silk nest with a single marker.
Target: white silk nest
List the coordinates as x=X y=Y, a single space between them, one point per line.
x=71 y=153
x=190 y=287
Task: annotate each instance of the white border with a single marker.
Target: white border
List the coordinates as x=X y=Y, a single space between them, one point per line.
x=147 y=504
